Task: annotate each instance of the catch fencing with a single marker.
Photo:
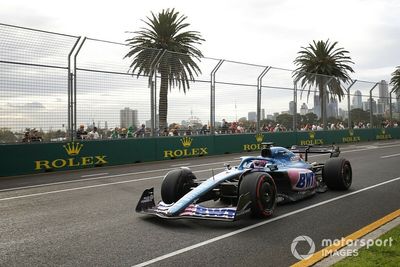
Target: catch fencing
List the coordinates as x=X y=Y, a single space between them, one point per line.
x=51 y=83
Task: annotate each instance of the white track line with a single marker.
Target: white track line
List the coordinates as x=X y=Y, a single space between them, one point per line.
x=244 y=229
x=109 y=176
x=390 y=156
x=93 y=186
x=180 y=165
x=94 y=174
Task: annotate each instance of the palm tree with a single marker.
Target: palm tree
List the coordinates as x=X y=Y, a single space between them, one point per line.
x=395 y=80
x=165 y=48
x=323 y=65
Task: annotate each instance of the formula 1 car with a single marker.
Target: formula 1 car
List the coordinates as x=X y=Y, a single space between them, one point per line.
x=255 y=186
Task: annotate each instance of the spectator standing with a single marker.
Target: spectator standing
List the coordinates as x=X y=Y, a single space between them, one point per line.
x=141 y=131
x=130 y=132
x=26 y=138
x=94 y=134
x=174 y=131
x=204 y=129
x=122 y=133
x=115 y=133
x=189 y=130
x=165 y=132
x=81 y=133
x=35 y=136
x=225 y=126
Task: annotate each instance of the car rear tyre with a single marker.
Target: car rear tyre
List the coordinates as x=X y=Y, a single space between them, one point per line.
x=337 y=174
x=176 y=184
x=263 y=194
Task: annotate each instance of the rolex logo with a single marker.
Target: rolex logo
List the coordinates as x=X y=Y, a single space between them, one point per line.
x=351 y=132
x=259 y=137
x=312 y=135
x=73 y=148
x=186 y=141
x=383 y=131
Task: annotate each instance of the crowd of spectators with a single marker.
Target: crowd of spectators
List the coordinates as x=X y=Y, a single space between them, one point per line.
x=93 y=133
x=81 y=133
x=31 y=135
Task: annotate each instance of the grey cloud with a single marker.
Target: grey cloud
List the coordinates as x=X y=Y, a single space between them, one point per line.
x=27 y=106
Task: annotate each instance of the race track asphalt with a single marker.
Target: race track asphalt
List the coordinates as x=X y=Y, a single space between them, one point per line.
x=87 y=218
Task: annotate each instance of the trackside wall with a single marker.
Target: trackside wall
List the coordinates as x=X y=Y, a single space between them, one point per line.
x=18 y=159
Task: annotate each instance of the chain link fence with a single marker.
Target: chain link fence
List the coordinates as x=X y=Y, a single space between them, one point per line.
x=57 y=87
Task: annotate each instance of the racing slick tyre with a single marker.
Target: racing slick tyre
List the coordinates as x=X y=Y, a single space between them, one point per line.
x=337 y=174
x=263 y=194
x=176 y=184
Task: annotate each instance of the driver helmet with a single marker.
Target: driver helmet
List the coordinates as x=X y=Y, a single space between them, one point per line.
x=260 y=163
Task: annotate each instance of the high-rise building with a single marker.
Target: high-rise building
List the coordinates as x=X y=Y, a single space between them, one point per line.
x=344 y=114
x=303 y=109
x=381 y=106
x=366 y=106
x=384 y=92
x=332 y=109
x=357 y=100
x=148 y=122
x=252 y=116
x=128 y=117
x=262 y=117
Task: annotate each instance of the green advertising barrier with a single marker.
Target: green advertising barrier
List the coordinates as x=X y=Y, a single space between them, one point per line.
x=17 y=159
x=237 y=143
x=345 y=136
x=184 y=147
x=386 y=133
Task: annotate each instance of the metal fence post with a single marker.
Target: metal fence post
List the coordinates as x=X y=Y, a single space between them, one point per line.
x=370 y=106
x=390 y=104
x=259 y=91
x=70 y=80
x=295 y=107
x=212 y=97
x=348 y=104
x=73 y=96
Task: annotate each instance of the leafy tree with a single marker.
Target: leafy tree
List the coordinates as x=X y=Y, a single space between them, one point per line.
x=395 y=80
x=285 y=120
x=165 y=48
x=359 y=115
x=322 y=64
x=310 y=118
x=7 y=136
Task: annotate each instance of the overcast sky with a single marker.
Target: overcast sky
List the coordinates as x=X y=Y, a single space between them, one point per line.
x=268 y=32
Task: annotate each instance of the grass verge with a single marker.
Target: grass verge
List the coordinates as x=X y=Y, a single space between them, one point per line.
x=377 y=255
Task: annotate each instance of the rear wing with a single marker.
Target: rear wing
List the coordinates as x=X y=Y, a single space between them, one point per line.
x=334 y=151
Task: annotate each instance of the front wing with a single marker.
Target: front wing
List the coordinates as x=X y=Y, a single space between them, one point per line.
x=147 y=205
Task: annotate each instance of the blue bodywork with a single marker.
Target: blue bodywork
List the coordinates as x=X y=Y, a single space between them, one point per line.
x=280 y=160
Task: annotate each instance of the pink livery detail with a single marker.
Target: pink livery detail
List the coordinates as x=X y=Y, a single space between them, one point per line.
x=301 y=179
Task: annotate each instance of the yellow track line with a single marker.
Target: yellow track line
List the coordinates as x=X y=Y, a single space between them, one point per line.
x=325 y=252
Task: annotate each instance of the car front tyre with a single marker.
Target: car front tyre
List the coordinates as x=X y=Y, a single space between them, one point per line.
x=263 y=193
x=176 y=184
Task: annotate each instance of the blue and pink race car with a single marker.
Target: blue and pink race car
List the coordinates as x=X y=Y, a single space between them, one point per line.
x=255 y=186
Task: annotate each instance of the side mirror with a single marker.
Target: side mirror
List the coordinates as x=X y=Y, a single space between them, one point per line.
x=227 y=166
x=273 y=167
